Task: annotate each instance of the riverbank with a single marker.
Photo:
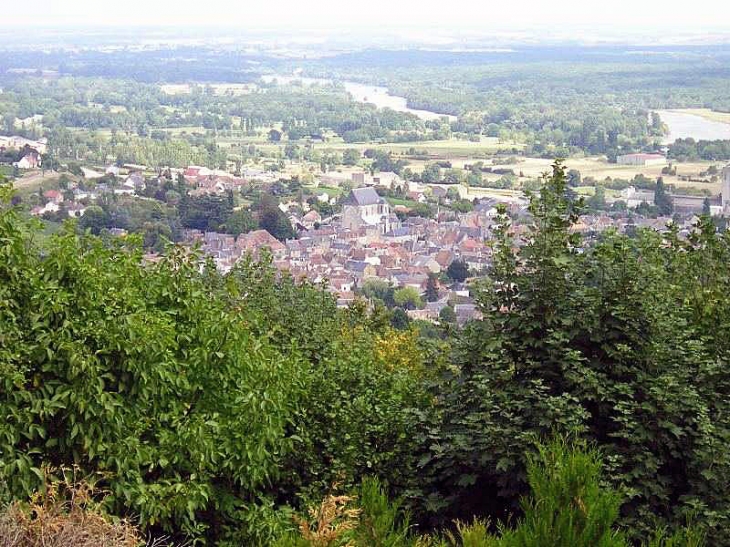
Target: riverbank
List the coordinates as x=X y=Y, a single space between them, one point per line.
x=696 y=123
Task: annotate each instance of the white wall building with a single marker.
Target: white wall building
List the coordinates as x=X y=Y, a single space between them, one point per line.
x=641 y=159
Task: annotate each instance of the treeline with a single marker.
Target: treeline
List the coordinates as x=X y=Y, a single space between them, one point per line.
x=586 y=102
x=216 y=407
x=170 y=209
x=691 y=150
x=131 y=107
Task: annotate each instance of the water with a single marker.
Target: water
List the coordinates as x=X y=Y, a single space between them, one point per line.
x=369 y=94
x=683 y=125
x=380 y=97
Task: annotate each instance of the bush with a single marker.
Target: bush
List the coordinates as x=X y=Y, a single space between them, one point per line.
x=64 y=515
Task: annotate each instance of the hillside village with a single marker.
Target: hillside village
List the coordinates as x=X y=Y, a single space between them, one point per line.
x=366 y=238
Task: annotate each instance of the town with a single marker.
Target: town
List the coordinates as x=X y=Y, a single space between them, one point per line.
x=353 y=231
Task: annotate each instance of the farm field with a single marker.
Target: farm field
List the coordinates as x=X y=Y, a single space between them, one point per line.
x=599 y=169
x=442 y=149
x=31 y=181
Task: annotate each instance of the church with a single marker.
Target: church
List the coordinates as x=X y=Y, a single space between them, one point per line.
x=365 y=209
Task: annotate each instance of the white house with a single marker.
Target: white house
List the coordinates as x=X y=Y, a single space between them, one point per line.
x=634 y=197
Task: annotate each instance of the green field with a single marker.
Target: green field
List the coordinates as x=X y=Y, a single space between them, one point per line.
x=404 y=202
x=451 y=148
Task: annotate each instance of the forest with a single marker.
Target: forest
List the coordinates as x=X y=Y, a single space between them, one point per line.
x=555 y=101
x=589 y=404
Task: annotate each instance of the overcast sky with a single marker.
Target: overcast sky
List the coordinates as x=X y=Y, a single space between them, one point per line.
x=604 y=15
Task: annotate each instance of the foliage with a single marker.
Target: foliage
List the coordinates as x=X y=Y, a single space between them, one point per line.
x=458 y=270
x=204 y=404
x=274 y=221
x=64 y=515
x=662 y=199
x=408 y=298
x=691 y=150
x=567 y=505
x=612 y=342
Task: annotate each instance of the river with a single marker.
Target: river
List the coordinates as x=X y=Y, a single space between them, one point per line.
x=683 y=125
x=368 y=94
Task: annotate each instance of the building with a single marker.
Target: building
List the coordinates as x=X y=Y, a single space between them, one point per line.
x=641 y=159
x=634 y=197
x=31 y=160
x=364 y=208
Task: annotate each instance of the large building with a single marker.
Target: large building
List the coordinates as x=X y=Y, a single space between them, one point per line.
x=641 y=159
x=364 y=208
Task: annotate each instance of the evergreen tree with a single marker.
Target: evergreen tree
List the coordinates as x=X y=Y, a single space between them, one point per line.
x=662 y=199
x=432 y=291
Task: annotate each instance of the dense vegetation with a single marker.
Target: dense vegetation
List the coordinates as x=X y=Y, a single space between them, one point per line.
x=218 y=407
x=691 y=150
x=140 y=123
x=556 y=100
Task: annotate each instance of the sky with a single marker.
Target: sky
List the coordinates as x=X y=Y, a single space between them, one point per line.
x=604 y=16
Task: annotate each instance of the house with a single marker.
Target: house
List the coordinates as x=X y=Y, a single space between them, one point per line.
x=311 y=219
x=135 y=182
x=364 y=208
x=634 y=197
x=427 y=262
x=641 y=159
x=53 y=196
x=388 y=179
x=31 y=160
x=50 y=207
x=253 y=242
x=76 y=210
x=466 y=312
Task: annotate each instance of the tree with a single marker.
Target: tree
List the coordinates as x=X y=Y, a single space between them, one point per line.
x=597 y=201
x=201 y=394
x=662 y=199
x=447 y=315
x=706 y=207
x=399 y=319
x=431 y=173
x=574 y=177
x=458 y=270
x=379 y=289
x=274 y=135
x=408 y=298
x=351 y=156
x=240 y=222
x=94 y=219
x=432 y=288
x=273 y=220
x=551 y=356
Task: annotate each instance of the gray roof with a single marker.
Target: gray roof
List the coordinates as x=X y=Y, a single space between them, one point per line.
x=363 y=196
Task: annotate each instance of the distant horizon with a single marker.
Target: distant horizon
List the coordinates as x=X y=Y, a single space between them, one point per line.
x=590 y=17
x=401 y=35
